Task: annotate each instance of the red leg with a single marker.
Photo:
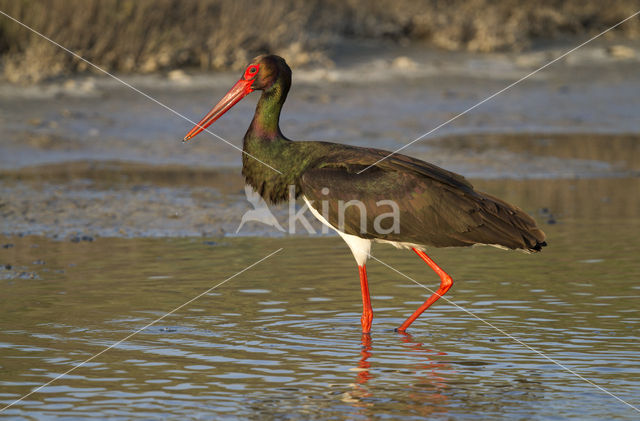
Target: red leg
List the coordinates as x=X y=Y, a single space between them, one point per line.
x=367 y=312
x=445 y=284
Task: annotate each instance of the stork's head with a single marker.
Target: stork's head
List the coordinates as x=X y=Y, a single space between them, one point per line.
x=260 y=75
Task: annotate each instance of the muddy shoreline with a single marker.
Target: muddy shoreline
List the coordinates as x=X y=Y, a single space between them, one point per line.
x=114 y=199
x=89 y=157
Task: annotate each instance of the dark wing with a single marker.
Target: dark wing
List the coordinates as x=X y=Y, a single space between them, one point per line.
x=356 y=159
x=433 y=207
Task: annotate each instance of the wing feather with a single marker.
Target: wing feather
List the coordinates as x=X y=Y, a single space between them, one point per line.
x=436 y=207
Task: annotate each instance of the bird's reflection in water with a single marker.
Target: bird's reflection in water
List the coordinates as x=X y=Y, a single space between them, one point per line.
x=360 y=388
x=364 y=365
x=426 y=395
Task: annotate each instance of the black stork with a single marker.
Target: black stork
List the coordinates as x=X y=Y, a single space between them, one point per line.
x=435 y=207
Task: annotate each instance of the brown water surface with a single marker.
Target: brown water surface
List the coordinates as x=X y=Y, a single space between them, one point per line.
x=282 y=339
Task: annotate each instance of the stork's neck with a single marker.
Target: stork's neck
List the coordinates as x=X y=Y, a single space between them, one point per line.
x=266 y=121
x=264 y=143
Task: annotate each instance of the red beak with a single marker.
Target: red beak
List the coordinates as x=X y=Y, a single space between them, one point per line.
x=241 y=89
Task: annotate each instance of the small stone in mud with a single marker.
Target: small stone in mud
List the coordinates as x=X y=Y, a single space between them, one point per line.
x=621 y=51
x=209 y=243
x=35 y=121
x=78 y=238
x=168 y=329
x=7 y=246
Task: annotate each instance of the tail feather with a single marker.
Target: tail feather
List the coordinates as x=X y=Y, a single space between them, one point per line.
x=515 y=227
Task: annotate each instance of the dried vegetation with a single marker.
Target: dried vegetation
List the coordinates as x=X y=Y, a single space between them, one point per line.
x=155 y=35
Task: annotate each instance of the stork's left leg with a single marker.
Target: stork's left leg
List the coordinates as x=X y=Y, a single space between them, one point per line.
x=445 y=284
x=367 y=311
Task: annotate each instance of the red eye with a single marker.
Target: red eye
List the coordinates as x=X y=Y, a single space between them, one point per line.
x=251 y=71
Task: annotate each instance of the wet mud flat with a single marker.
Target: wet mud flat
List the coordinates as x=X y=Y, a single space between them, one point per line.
x=88 y=156
x=541 y=173
x=374 y=96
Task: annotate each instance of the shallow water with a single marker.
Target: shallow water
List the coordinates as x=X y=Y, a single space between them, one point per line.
x=282 y=339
